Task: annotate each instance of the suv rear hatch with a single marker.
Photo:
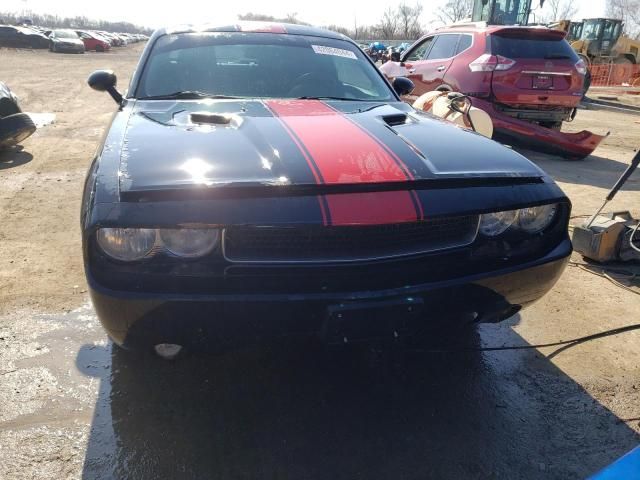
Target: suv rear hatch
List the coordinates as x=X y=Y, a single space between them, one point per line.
x=535 y=68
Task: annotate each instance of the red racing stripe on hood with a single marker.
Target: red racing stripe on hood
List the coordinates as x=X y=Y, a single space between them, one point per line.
x=342 y=151
x=339 y=151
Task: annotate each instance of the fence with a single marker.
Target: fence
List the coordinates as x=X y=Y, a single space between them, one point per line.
x=615 y=75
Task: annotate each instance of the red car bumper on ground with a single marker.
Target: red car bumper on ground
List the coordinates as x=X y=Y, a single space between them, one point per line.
x=572 y=145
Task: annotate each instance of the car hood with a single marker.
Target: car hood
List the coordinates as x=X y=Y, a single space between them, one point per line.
x=217 y=143
x=69 y=41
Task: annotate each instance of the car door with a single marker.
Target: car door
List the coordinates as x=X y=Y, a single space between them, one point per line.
x=9 y=37
x=413 y=61
x=428 y=74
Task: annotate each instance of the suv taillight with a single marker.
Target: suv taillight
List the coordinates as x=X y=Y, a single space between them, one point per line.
x=581 y=67
x=489 y=63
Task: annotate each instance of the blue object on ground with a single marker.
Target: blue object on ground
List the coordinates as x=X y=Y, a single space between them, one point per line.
x=626 y=467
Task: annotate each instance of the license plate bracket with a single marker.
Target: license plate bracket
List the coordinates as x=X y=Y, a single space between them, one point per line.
x=361 y=321
x=542 y=82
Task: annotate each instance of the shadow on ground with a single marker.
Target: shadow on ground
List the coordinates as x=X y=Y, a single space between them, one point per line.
x=14 y=157
x=305 y=412
x=594 y=170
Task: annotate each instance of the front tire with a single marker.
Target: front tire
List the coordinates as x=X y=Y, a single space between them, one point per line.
x=99 y=48
x=15 y=129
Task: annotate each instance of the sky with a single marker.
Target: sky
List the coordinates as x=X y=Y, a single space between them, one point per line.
x=164 y=12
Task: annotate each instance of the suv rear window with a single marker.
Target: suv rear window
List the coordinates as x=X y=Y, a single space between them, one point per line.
x=511 y=47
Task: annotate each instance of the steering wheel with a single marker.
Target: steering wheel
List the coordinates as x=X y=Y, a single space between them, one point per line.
x=300 y=80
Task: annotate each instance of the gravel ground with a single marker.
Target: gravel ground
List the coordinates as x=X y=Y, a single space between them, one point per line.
x=71 y=406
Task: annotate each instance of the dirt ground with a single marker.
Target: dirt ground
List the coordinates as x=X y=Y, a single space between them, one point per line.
x=73 y=407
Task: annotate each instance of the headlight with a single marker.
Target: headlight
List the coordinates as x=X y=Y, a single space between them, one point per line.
x=127 y=244
x=492 y=224
x=536 y=219
x=530 y=220
x=189 y=242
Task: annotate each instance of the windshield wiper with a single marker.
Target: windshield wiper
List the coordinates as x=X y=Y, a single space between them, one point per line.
x=558 y=56
x=186 y=95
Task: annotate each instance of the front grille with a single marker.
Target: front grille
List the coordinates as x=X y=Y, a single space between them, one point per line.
x=316 y=244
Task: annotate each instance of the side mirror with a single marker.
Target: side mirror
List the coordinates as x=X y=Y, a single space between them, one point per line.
x=403 y=86
x=105 y=81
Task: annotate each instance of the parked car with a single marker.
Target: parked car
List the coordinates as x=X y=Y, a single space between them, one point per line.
x=22 y=37
x=65 y=41
x=93 y=41
x=528 y=74
x=15 y=126
x=230 y=204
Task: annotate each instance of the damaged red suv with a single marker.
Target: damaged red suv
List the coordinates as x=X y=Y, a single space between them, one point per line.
x=519 y=75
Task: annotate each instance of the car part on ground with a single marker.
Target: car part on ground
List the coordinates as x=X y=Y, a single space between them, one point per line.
x=263 y=227
x=573 y=146
x=456 y=108
x=605 y=238
x=15 y=126
x=483 y=118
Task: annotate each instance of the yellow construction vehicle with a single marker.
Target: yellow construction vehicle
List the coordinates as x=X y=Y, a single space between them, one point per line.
x=573 y=29
x=601 y=42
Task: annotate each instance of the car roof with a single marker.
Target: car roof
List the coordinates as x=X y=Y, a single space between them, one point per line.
x=253 y=27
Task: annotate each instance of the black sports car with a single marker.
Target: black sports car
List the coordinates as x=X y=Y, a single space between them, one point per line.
x=22 y=37
x=262 y=180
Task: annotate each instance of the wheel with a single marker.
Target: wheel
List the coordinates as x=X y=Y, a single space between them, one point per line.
x=8 y=107
x=15 y=129
x=99 y=48
x=621 y=70
x=51 y=47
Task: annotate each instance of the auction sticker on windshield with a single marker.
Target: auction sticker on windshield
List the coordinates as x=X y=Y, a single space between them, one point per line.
x=338 y=52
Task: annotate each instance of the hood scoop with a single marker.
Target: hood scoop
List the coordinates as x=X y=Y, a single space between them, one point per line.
x=396 y=119
x=209 y=118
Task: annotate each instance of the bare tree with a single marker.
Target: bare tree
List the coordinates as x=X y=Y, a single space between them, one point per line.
x=454 y=11
x=562 y=9
x=629 y=12
x=409 y=21
x=387 y=28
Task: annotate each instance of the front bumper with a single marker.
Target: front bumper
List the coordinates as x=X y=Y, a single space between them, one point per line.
x=144 y=319
x=510 y=129
x=69 y=48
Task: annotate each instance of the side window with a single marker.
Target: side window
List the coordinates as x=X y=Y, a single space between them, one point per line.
x=420 y=51
x=464 y=43
x=443 y=47
x=608 y=30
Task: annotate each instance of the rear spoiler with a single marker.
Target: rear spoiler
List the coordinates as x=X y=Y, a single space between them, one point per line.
x=541 y=33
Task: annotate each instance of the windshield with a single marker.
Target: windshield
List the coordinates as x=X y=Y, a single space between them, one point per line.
x=502 y=12
x=65 y=34
x=260 y=65
x=591 y=29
